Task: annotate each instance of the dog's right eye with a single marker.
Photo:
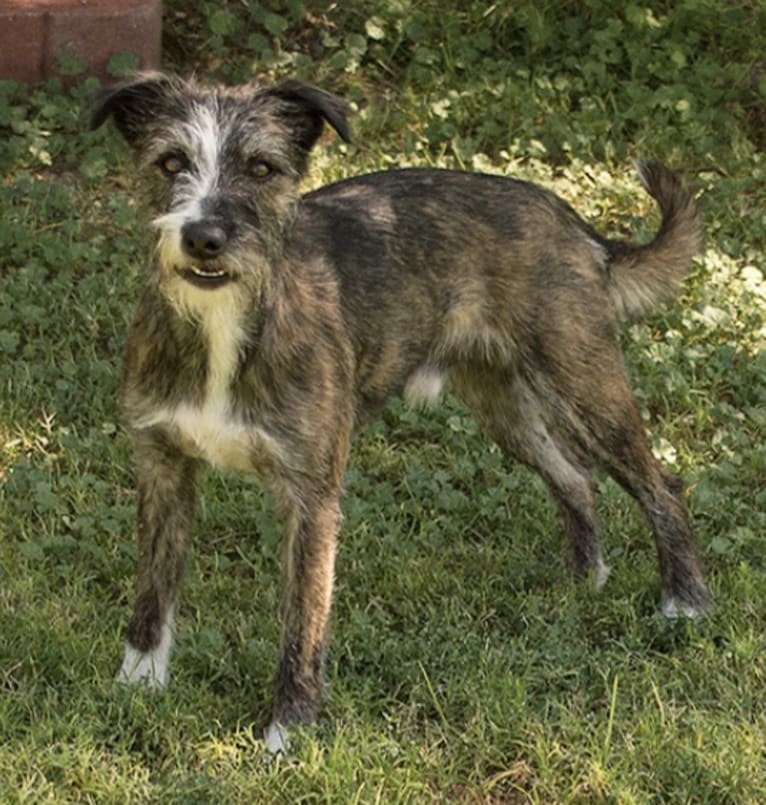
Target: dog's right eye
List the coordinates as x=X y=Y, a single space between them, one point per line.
x=172 y=164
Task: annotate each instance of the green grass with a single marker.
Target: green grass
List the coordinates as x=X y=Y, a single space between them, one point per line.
x=466 y=665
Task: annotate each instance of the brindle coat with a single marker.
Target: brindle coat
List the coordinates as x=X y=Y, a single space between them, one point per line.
x=273 y=325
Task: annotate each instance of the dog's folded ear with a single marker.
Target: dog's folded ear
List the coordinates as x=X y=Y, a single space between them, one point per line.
x=308 y=107
x=132 y=104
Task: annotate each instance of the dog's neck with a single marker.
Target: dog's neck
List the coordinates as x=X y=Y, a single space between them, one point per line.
x=221 y=320
x=225 y=334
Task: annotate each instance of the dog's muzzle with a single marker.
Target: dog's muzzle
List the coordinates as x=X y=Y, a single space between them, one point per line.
x=204 y=242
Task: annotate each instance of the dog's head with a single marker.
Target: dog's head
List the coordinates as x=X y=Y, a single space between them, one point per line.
x=220 y=169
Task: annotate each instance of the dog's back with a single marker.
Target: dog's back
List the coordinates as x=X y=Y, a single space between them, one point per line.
x=458 y=267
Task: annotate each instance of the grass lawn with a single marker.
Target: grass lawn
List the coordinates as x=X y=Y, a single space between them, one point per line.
x=466 y=665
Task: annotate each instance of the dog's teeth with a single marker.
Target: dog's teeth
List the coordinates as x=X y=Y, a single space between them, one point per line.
x=206 y=274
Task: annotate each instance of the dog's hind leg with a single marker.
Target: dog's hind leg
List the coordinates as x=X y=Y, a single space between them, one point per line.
x=515 y=419
x=165 y=511
x=606 y=421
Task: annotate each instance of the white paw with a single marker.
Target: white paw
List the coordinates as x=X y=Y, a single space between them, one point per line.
x=602 y=572
x=276 y=740
x=673 y=608
x=138 y=666
x=151 y=667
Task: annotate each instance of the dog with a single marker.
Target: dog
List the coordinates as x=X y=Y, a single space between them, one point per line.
x=273 y=325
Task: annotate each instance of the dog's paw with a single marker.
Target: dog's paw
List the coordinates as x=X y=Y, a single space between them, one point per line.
x=674 y=608
x=276 y=740
x=601 y=574
x=149 y=667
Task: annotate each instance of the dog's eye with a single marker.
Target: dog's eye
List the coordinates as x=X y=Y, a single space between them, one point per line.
x=259 y=169
x=173 y=164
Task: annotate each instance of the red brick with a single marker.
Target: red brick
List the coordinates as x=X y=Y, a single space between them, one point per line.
x=22 y=32
x=33 y=32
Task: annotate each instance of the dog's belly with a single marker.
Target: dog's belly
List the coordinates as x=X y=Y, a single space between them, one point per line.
x=211 y=433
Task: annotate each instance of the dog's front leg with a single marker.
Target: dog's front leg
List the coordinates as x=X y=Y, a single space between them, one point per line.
x=165 y=480
x=308 y=570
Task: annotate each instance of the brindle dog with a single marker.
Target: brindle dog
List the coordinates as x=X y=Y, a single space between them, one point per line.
x=272 y=325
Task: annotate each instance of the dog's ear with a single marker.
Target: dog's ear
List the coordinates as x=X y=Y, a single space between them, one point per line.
x=308 y=107
x=132 y=104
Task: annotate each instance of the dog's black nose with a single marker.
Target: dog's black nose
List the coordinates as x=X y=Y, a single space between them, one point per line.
x=203 y=240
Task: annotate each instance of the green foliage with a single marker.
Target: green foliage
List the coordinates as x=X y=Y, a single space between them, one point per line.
x=122 y=64
x=588 y=80
x=465 y=665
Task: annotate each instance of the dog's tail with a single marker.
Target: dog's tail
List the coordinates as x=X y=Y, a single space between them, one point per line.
x=643 y=276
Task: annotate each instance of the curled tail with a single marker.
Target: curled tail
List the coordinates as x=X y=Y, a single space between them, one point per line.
x=643 y=276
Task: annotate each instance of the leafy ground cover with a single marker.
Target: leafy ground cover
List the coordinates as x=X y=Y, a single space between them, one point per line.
x=465 y=665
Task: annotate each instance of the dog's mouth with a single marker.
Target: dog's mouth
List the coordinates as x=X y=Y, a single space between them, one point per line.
x=207 y=277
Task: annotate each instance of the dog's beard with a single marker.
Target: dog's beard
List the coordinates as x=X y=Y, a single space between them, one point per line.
x=236 y=280
x=243 y=270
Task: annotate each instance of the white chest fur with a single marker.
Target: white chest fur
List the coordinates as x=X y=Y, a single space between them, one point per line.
x=213 y=433
x=210 y=430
